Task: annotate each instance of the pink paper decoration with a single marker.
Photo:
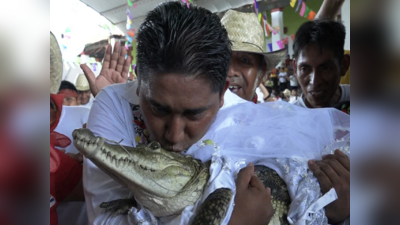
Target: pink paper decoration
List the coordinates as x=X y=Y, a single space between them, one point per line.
x=280 y=44
x=303 y=9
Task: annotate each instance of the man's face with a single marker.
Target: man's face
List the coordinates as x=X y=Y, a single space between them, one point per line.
x=318 y=74
x=177 y=110
x=84 y=97
x=243 y=74
x=70 y=97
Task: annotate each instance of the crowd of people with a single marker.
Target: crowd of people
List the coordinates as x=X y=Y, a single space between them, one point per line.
x=181 y=86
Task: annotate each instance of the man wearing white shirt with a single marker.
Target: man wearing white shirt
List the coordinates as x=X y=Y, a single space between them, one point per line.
x=320 y=62
x=250 y=62
x=181 y=86
x=293 y=82
x=84 y=94
x=282 y=79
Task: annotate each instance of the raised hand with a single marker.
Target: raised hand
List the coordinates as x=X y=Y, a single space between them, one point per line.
x=252 y=201
x=333 y=171
x=115 y=69
x=329 y=9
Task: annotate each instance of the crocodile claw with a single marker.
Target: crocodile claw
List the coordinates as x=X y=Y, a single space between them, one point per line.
x=119 y=207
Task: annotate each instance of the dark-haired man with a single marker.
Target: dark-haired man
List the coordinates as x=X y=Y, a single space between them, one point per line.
x=319 y=64
x=174 y=102
x=70 y=93
x=181 y=86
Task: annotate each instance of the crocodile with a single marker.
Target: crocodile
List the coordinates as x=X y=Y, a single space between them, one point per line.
x=166 y=182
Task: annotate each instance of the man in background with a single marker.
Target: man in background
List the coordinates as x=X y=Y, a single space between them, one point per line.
x=282 y=79
x=84 y=94
x=70 y=93
x=320 y=63
x=250 y=62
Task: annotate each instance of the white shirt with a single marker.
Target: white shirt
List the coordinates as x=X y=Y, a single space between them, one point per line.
x=260 y=95
x=89 y=104
x=293 y=99
x=282 y=76
x=343 y=98
x=72 y=117
x=293 y=81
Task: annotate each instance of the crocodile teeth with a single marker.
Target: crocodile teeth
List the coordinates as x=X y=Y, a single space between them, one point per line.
x=108 y=156
x=121 y=162
x=116 y=162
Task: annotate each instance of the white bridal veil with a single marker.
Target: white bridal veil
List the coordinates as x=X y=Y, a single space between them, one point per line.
x=278 y=135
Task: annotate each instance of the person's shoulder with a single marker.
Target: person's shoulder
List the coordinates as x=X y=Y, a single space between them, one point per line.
x=116 y=92
x=117 y=88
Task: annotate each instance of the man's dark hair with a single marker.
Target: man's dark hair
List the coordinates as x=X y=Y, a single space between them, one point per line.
x=190 y=41
x=325 y=33
x=67 y=85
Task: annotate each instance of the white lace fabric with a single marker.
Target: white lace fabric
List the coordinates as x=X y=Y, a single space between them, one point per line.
x=277 y=135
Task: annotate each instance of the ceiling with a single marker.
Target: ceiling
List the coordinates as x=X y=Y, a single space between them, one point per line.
x=115 y=10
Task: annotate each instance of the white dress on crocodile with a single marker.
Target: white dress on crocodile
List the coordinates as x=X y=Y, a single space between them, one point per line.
x=275 y=134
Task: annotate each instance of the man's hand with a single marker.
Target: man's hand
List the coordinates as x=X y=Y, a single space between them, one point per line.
x=329 y=9
x=115 y=69
x=333 y=171
x=253 y=201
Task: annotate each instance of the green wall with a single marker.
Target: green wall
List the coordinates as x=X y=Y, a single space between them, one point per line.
x=292 y=20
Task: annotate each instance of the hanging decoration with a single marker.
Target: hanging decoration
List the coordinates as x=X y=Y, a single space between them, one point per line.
x=94 y=67
x=187 y=2
x=130 y=3
x=292 y=3
x=312 y=15
x=298 y=5
x=280 y=44
x=305 y=11
x=292 y=36
x=270 y=47
x=285 y=41
x=256 y=7
x=266 y=28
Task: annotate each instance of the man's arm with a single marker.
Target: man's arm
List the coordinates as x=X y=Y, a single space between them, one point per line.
x=329 y=9
x=264 y=91
x=106 y=120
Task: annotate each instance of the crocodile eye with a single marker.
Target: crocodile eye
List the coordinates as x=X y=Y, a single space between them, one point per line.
x=154 y=145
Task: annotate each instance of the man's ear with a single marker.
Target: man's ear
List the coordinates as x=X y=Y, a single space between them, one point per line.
x=136 y=72
x=223 y=93
x=345 y=64
x=137 y=80
x=294 y=68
